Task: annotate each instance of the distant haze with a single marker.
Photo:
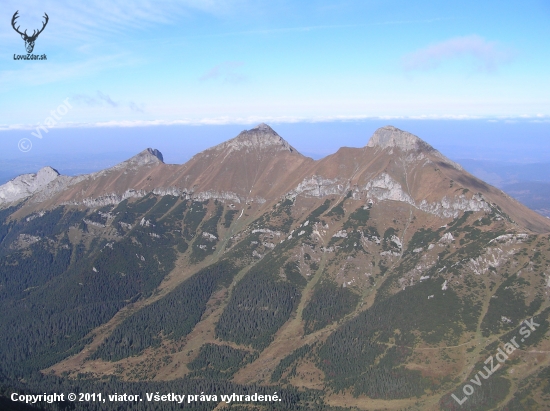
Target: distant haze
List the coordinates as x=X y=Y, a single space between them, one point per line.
x=79 y=149
x=500 y=153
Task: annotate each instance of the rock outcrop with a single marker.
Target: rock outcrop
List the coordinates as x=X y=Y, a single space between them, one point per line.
x=390 y=136
x=26 y=185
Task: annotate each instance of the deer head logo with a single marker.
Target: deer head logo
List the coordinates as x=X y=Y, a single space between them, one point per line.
x=29 y=40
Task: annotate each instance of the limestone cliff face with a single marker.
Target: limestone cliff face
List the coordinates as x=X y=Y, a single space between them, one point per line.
x=27 y=184
x=390 y=136
x=48 y=183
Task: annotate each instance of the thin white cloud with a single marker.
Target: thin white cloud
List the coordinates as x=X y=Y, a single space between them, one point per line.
x=399 y=22
x=106 y=99
x=138 y=108
x=488 y=55
x=102 y=100
x=274 y=120
x=283 y=30
x=33 y=75
x=227 y=71
x=93 y=18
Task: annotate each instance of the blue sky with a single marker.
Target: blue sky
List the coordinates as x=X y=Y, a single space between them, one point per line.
x=470 y=77
x=135 y=63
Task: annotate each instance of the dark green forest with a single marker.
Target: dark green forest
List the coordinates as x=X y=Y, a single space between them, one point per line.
x=59 y=280
x=53 y=292
x=259 y=305
x=173 y=316
x=358 y=355
x=329 y=303
x=219 y=361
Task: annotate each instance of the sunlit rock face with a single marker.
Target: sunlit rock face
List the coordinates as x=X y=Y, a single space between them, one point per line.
x=27 y=184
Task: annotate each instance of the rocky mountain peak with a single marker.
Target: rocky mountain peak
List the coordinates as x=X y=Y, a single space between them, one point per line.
x=25 y=185
x=47 y=173
x=147 y=156
x=260 y=137
x=390 y=136
x=264 y=127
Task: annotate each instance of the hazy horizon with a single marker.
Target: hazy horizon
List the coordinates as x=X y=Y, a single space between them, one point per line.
x=83 y=150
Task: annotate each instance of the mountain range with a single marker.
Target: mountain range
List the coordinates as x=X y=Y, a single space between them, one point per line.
x=379 y=277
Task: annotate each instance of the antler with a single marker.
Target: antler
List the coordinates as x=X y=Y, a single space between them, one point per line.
x=43 y=26
x=15 y=17
x=34 y=33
